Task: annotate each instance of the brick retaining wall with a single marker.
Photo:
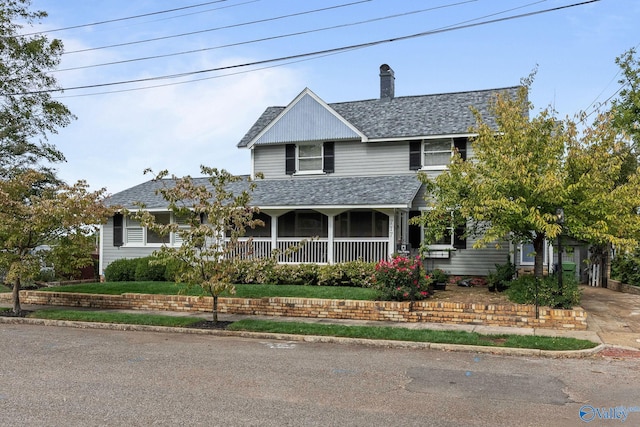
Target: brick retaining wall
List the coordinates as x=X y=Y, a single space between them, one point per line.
x=618 y=286
x=423 y=311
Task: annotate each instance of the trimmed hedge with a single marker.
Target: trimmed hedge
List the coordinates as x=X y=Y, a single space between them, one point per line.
x=139 y=270
x=258 y=271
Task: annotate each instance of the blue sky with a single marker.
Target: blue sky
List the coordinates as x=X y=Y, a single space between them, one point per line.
x=180 y=126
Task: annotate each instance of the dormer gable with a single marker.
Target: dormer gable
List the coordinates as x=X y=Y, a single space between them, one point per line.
x=307 y=118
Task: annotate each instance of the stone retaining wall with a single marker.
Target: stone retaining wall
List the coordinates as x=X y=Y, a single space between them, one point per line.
x=423 y=311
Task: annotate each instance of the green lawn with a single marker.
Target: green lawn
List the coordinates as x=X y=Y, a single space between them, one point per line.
x=242 y=291
x=301 y=328
x=4 y=289
x=416 y=335
x=115 y=317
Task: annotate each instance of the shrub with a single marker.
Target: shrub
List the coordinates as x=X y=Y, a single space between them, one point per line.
x=523 y=291
x=626 y=268
x=439 y=276
x=402 y=279
x=500 y=279
x=121 y=270
x=296 y=274
x=149 y=269
x=353 y=273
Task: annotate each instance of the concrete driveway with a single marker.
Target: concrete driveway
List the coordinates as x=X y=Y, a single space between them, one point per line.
x=614 y=316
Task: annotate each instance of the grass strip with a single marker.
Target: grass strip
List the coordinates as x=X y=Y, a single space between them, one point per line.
x=242 y=291
x=302 y=328
x=415 y=335
x=115 y=317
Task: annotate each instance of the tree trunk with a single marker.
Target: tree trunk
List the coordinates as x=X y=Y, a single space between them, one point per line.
x=16 y=297
x=215 y=309
x=538 y=247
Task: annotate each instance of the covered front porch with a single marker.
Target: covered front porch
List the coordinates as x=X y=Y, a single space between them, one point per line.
x=328 y=236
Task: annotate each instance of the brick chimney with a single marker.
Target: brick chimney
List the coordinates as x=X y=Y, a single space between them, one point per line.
x=387 y=83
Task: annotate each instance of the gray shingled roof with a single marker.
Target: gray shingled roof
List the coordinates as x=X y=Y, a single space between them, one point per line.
x=407 y=116
x=377 y=191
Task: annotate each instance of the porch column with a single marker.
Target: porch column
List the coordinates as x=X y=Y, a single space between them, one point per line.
x=330 y=237
x=274 y=231
x=392 y=235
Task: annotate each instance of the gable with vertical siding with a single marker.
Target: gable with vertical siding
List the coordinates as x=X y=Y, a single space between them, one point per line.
x=307 y=118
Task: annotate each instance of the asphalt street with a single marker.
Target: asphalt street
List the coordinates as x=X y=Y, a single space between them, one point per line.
x=59 y=376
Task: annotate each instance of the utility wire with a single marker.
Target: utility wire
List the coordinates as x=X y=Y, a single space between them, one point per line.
x=316 y=53
x=218 y=28
x=125 y=18
x=367 y=21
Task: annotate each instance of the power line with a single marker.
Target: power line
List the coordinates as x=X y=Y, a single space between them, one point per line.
x=367 y=21
x=315 y=53
x=125 y=18
x=217 y=28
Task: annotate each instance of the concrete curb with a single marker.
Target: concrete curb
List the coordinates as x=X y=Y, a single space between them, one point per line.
x=506 y=351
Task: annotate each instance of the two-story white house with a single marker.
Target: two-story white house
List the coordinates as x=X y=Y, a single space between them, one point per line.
x=344 y=174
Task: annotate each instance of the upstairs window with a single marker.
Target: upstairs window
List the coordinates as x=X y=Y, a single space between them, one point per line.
x=310 y=158
x=435 y=154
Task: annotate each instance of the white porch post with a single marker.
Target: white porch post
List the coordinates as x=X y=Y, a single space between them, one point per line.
x=392 y=235
x=330 y=237
x=274 y=232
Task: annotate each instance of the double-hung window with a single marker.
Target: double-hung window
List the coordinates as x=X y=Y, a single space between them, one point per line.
x=435 y=154
x=310 y=158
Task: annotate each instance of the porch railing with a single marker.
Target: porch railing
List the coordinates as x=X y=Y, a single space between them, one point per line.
x=291 y=250
x=368 y=250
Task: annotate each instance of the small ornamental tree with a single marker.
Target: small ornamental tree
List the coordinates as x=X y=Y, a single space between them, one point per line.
x=401 y=279
x=211 y=219
x=34 y=212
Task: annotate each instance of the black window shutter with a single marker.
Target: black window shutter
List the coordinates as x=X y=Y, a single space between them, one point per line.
x=459 y=240
x=117 y=230
x=415 y=155
x=290 y=159
x=329 y=157
x=461 y=146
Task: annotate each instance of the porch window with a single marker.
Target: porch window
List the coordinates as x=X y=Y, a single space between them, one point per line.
x=303 y=223
x=361 y=224
x=260 y=231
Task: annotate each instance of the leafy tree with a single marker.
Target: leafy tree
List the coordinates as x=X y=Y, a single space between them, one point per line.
x=32 y=215
x=525 y=169
x=27 y=110
x=626 y=108
x=511 y=188
x=211 y=220
x=69 y=255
